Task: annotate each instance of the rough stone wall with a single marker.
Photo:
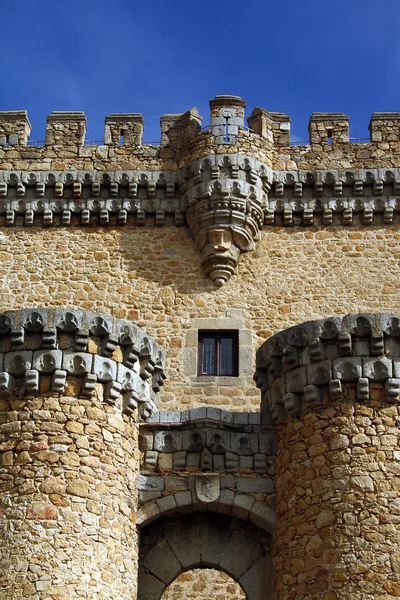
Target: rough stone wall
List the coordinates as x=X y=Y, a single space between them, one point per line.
x=203 y=584
x=292 y=276
x=67 y=497
x=337 y=501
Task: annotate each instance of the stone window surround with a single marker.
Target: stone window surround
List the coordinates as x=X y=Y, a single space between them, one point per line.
x=232 y=321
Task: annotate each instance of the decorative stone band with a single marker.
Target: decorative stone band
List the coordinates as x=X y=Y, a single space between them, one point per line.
x=230 y=452
x=89 y=198
x=361 y=196
x=40 y=349
x=226 y=199
x=207 y=439
x=304 y=366
x=223 y=197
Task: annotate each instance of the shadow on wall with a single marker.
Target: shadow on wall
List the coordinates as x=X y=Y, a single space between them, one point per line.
x=166 y=256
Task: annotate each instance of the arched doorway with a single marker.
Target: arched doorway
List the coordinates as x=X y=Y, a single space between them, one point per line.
x=172 y=546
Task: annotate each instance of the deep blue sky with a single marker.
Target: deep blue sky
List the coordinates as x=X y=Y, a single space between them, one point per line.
x=155 y=57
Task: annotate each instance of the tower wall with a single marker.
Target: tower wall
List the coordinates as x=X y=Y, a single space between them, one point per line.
x=68 y=495
x=73 y=387
x=332 y=388
x=337 y=502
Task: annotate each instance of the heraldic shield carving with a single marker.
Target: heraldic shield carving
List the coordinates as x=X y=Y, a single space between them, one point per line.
x=207 y=487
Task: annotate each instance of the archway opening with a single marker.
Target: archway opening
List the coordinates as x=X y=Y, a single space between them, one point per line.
x=203 y=584
x=173 y=546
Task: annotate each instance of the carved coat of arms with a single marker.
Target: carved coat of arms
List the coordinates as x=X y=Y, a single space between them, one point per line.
x=207 y=487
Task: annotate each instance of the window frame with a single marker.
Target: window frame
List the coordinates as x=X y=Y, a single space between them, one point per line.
x=219 y=335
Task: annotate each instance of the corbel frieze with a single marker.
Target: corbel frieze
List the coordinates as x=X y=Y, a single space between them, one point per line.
x=304 y=367
x=41 y=349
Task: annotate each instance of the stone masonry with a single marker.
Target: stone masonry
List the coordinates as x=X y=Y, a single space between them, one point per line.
x=123 y=472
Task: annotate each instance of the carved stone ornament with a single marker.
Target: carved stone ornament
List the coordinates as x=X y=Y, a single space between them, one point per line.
x=226 y=197
x=225 y=200
x=207 y=487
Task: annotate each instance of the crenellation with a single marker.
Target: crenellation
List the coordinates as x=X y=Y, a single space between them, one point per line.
x=123 y=129
x=15 y=128
x=182 y=139
x=385 y=127
x=274 y=127
x=177 y=130
x=65 y=128
x=226 y=118
x=328 y=128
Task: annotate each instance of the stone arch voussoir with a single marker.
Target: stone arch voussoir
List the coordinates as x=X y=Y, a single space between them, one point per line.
x=238 y=505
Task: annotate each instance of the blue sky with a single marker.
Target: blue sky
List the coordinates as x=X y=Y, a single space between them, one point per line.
x=156 y=57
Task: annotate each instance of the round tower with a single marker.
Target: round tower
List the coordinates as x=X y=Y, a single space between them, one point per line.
x=332 y=386
x=73 y=387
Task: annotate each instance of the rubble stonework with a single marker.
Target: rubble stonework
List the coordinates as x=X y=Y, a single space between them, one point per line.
x=121 y=467
x=188 y=583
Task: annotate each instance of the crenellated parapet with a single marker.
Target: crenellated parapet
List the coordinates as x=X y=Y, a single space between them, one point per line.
x=266 y=132
x=340 y=358
x=81 y=353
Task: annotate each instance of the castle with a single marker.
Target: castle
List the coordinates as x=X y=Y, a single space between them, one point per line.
x=200 y=356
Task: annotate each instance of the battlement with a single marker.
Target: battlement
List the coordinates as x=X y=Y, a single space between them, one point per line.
x=227 y=124
x=15 y=128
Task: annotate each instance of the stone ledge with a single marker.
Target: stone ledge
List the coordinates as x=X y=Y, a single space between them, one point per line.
x=206 y=439
x=203 y=415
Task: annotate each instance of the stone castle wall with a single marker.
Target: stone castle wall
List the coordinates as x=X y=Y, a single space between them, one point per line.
x=293 y=275
x=228 y=228
x=67 y=499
